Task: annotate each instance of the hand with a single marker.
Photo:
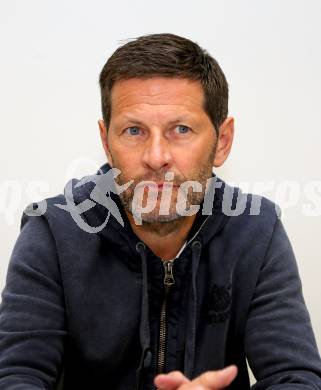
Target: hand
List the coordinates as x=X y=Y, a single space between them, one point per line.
x=210 y=380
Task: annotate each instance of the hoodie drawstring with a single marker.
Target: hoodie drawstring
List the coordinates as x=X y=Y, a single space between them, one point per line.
x=144 y=330
x=191 y=330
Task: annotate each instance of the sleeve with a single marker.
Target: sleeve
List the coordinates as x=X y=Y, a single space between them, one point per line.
x=280 y=345
x=32 y=314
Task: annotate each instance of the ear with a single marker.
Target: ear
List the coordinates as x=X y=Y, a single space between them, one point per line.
x=224 y=142
x=104 y=140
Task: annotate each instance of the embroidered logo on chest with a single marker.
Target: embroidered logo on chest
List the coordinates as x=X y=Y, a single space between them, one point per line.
x=219 y=303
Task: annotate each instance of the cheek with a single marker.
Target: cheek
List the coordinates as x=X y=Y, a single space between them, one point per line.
x=123 y=156
x=197 y=156
x=126 y=163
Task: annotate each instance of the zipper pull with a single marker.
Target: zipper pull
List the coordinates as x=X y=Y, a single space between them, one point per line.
x=169 y=277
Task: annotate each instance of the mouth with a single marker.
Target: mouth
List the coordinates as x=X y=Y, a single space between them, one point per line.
x=157 y=186
x=166 y=185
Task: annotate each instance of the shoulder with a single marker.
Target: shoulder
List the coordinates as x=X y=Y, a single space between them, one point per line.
x=251 y=217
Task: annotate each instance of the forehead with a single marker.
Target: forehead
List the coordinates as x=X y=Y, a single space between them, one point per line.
x=162 y=93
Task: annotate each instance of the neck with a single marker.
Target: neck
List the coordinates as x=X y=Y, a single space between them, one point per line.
x=164 y=239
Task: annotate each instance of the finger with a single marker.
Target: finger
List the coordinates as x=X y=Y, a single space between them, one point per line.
x=170 y=381
x=217 y=380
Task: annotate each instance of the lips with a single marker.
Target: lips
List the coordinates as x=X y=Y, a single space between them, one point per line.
x=158 y=186
x=165 y=185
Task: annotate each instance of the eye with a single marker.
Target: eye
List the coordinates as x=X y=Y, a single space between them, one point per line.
x=134 y=130
x=182 y=129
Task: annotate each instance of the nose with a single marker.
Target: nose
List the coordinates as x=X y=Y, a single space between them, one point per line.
x=157 y=154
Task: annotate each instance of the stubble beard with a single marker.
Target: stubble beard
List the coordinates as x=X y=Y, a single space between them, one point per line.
x=153 y=220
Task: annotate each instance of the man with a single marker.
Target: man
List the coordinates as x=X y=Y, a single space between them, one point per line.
x=166 y=277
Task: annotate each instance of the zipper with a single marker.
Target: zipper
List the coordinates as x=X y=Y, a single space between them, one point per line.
x=168 y=282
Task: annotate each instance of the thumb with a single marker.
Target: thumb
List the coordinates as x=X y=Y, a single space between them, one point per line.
x=170 y=381
x=217 y=380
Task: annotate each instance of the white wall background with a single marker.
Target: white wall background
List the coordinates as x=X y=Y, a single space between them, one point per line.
x=51 y=55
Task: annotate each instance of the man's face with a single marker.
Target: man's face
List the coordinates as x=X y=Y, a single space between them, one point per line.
x=158 y=125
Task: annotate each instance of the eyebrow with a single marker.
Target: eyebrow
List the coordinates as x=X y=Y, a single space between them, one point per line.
x=179 y=119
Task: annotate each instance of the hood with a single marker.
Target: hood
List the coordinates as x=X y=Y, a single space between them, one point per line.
x=101 y=209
